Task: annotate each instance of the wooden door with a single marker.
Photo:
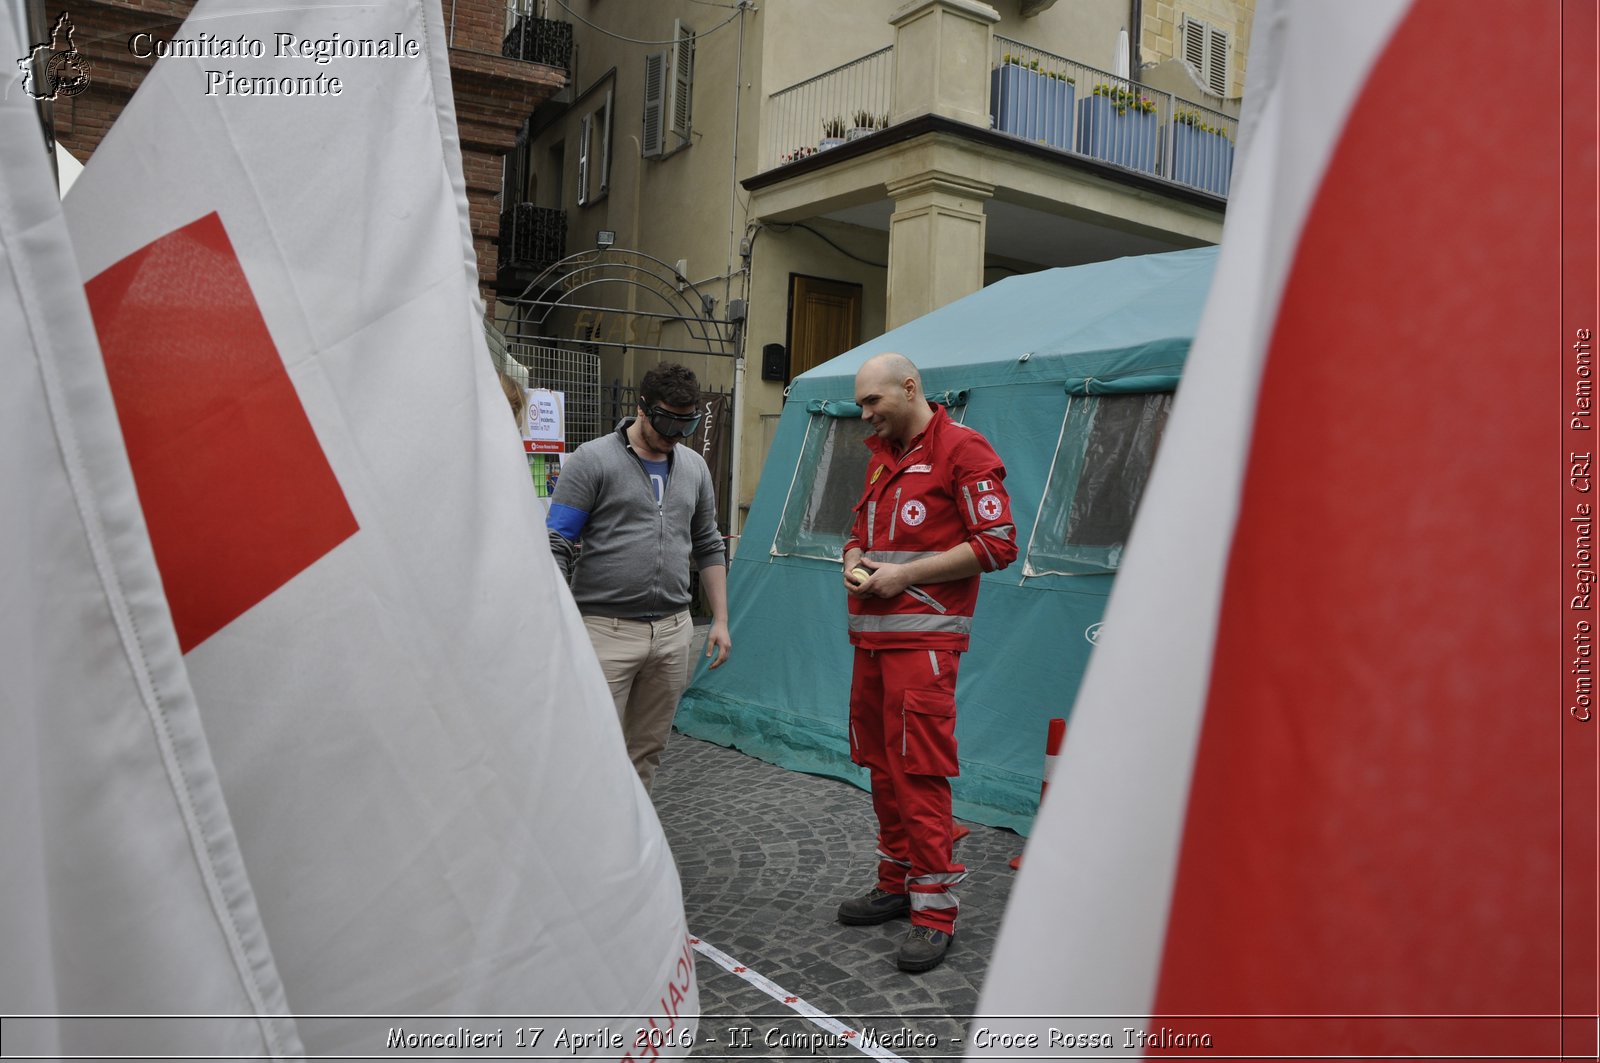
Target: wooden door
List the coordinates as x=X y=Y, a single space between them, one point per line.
x=824 y=321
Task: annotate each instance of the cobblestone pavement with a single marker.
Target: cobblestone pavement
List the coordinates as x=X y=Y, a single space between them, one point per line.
x=765 y=856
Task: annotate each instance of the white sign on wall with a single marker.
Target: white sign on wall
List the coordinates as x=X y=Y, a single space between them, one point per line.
x=546 y=430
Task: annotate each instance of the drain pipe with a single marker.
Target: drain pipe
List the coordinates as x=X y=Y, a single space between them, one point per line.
x=1135 y=35
x=735 y=478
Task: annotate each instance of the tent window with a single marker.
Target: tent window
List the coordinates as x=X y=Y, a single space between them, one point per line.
x=827 y=484
x=1102 y=463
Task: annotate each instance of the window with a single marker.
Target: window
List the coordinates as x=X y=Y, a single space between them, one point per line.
x=594 y=152
x=1102 y=463
x=827 y=484
x=585 y=129
x=1206 y=48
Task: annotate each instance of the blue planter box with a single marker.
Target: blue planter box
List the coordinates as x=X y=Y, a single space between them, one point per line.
x=1028 y=104
x=1130 y=139
x=1201 y=159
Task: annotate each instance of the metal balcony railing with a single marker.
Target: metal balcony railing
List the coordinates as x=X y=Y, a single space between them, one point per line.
x=1033 y=95
x=538 y=40
x=842 y=104
x=532 y=238
x=1082 y=110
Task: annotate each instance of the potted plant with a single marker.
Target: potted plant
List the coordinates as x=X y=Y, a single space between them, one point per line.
x=1031 y=101
x=805 y=151
x=832 y=132
x=866 y=124
x=1119 y=125
x=1202 y=154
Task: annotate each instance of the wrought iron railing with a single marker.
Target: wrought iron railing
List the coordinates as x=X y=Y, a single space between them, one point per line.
x=842 y=104
x=531 y=237
x=539 y=40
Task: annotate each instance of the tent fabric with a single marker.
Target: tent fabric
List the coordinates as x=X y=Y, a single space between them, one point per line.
x=1019 y=353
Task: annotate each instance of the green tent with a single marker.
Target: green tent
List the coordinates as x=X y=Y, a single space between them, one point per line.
x=1069 y=373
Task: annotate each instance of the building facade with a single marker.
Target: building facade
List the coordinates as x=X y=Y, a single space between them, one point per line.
x=753 y=188
x=775 y=183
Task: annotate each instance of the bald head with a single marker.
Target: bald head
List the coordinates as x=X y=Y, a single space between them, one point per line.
x=889 y=392
x=888 y=369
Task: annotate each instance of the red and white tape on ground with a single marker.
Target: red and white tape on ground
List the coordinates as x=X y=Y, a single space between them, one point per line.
x=845 y=1034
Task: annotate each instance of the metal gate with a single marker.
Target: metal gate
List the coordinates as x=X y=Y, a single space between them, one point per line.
x=577 y=374
x=612 y=300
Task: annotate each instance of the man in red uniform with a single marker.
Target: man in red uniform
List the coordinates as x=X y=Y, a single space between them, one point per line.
x=933 y=518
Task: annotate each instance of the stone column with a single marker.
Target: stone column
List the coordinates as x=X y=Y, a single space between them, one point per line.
x=936 y=242
x=941 y=60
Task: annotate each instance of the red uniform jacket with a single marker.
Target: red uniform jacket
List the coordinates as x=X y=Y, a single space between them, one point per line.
x=946 y=489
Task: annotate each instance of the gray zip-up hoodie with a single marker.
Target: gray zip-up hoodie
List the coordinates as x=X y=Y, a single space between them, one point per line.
x=636 y=553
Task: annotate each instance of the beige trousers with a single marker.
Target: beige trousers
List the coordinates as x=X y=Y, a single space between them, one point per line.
x=646 y=662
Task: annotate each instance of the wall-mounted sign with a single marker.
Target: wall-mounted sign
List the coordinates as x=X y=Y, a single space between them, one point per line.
x=546 y=430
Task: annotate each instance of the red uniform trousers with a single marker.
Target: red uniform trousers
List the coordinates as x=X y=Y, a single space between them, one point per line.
x=903 y=730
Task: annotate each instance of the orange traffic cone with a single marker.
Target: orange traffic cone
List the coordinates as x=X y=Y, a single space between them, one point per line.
x=1052 y=749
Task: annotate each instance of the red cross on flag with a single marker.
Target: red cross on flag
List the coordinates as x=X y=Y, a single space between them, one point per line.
x=1330 y=786
x=409 y=745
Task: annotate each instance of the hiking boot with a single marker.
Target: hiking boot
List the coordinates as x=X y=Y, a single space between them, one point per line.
x=923 y=949
x=878 y=906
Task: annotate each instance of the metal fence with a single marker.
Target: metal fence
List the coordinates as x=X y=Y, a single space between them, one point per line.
x=842 y=104
x=575 y=373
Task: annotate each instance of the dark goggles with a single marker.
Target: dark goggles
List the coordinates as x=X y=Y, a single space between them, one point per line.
x=672 y=425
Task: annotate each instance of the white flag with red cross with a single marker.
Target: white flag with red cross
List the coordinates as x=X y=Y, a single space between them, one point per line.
x=123 y=892
x=424 y=770
x=1330 y=786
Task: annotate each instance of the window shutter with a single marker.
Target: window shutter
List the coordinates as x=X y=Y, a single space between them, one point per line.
x=1194 y=44
x=655 y=92
x=605 y=147
x=1205 y=48
x=1217 y=73
x=682 y=76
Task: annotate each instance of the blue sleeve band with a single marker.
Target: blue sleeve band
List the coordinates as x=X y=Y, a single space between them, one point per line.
x=566 y=521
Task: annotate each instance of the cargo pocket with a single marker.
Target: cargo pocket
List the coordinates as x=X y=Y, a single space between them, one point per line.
x=928 y=733
x=857 y=703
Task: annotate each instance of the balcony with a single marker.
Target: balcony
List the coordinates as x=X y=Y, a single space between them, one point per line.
x=844 y=104
x=1091 y=113
x=1045 y=100
x=540 y=40
x=531 y=238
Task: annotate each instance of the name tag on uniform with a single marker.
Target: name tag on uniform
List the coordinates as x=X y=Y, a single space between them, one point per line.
x=920 y=468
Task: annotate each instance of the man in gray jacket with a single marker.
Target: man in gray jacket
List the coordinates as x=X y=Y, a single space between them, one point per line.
x=642 y=507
